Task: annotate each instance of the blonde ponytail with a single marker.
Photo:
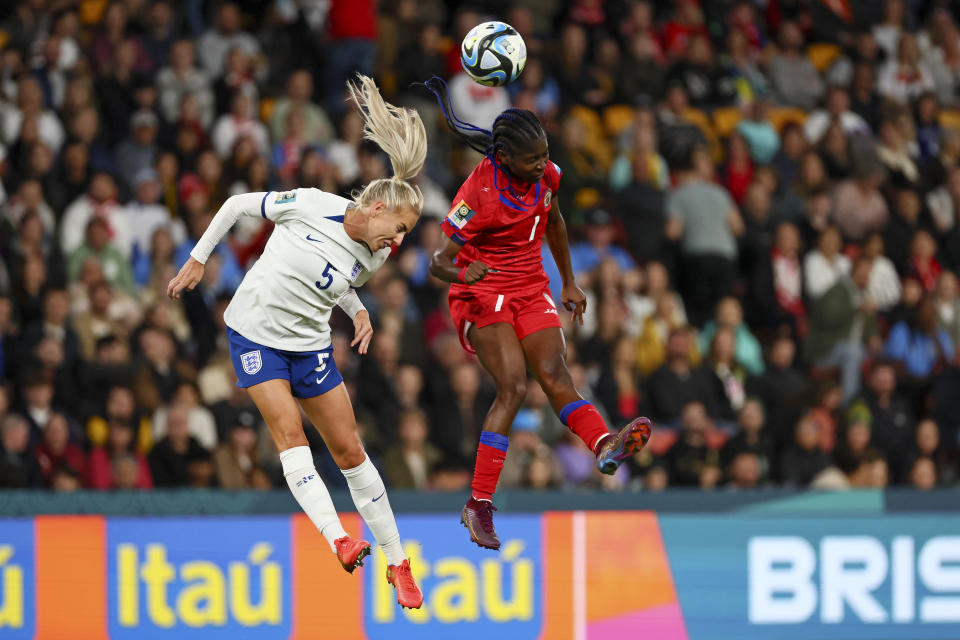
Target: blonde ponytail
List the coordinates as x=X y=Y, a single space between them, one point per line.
x=401 y=135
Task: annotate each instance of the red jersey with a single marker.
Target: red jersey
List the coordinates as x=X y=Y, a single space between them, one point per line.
x=502 y=227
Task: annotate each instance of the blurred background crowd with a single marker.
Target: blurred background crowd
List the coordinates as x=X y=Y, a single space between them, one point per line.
x=763 y=200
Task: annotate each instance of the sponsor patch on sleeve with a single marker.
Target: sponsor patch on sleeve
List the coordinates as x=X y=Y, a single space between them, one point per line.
x=285 y=196
x=460 y=215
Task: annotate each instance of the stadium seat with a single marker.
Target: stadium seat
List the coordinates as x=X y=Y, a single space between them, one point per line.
x=949 y=119
x=616 y=118
x=91 y=11
x=725 y=120
x=590 y=119
x=780 y=116
x=266 y=109
x=822 y=54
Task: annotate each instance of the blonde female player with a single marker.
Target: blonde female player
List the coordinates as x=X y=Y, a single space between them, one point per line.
x=322 y=248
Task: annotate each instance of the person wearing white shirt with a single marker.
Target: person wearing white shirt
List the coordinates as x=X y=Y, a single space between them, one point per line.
x=837 y=108
x=476 y=103
x=322 y=248
x=823 y=266
x=99 y=201
x=240 y=122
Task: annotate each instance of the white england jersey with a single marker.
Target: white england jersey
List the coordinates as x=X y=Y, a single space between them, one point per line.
x=309 y=265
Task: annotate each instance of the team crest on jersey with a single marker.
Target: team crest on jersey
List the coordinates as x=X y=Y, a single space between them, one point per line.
x=251 y=362
x=460 y=214
x=285 y=196
x=357 y=268
x=547 y=197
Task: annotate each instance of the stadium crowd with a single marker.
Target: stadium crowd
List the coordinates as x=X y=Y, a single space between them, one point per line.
x=763 y=200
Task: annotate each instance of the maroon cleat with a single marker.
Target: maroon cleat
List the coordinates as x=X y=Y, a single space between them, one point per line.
x=351 y=552
x=623 y=444
x=477 y=517
x=408 y=593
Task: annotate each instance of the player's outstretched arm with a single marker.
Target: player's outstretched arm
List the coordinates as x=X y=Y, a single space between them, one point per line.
x=571 y=296
x=192 y=272
x=443 y=267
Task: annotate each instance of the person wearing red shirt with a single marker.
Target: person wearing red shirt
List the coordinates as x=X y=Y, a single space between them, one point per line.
x=500 y=300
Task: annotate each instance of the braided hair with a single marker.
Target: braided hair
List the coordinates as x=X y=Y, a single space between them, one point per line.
x=514 y=130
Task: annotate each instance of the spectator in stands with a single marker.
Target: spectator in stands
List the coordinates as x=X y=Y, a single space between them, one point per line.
x=923 y=264
x=751 y=437
x=843 y=327
x=795 y=80
x=215 y=43
x=56 y=450
x=172 y=457
x=759 y=132
x=946 y=299
x=707 y=84
x=729 y=315
x=837 y=109
x=706 y=222
x=690 y=457
x=116 y=266
x=927 y=444
x=240 y=122
x=905 y=76
x=884 y=288
x=585 y=256
x=317 y=129
x=618 y=385
x=826 y=265
x=100 y=201
x=923 y=473
x=677 y=383
x=18 y=467
x=182 y=78
x=651 y=348
x=920 y=348
x=409 y=463
x=803 y=459
x=237 y=462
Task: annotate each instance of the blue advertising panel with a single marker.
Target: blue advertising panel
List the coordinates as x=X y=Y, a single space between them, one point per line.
x=469 y=592
x=16 y=579
x=198 y=577
x=896 y=578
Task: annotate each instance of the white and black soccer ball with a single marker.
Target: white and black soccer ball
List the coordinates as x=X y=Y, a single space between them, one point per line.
x=493 y=54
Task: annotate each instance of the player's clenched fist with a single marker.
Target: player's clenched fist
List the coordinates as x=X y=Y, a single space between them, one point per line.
x=476 y=272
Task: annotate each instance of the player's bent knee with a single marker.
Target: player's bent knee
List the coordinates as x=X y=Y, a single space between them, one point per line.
x=288 y=435
x=512 y=392
x=349 y=456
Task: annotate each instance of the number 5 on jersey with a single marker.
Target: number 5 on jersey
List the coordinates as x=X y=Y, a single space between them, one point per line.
x=327 y=278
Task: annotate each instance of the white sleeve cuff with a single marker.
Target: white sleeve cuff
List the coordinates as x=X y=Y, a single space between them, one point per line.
x=350 y=303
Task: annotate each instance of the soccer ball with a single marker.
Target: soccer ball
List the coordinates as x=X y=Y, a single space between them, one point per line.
x=493 y=54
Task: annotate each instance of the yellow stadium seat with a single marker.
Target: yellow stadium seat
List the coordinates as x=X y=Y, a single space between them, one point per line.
x=949 y=118
x=616 y=118
x=590 y=119
x=725 y=120
x=780 y=116
x=91 y=11
x=823 y=54
x=266 y=109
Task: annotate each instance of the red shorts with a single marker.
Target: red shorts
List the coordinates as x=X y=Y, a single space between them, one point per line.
x=527 y=311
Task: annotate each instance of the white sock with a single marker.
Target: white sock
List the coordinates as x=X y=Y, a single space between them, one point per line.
x=312 y=495
x=370 y=496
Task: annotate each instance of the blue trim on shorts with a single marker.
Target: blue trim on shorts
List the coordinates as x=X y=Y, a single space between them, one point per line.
x=263 y=203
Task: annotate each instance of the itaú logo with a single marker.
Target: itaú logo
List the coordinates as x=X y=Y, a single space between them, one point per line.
x=11 y=590
x=790 y=579
x=197 y=593
x=499 y=589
